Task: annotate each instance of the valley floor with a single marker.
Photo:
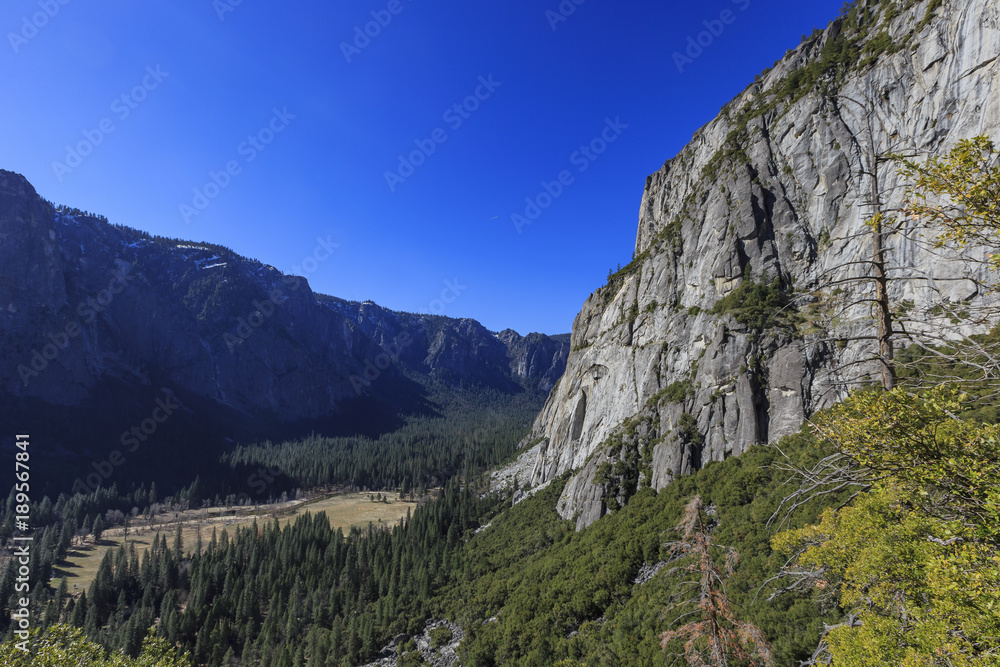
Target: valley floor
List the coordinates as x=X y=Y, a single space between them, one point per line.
x=345 y=510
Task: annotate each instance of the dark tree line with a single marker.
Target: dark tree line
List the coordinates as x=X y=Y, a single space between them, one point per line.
x=304 y=595
x=424 y=453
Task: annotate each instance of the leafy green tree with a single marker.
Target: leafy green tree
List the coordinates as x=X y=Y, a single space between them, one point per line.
x=62 y=646
x=956 y=199
x=915 y=561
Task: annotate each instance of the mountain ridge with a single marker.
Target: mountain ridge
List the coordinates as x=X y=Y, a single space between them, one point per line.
x=105 y=316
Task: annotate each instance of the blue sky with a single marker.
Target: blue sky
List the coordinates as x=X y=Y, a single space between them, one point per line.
x=129 y=108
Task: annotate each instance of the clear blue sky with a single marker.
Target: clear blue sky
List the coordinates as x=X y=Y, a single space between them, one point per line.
x=218 y=81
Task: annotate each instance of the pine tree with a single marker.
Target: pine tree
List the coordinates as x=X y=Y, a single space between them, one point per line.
x=98 y=529
x=178 y=545
x=79 y=614
x=716 y=637
x=62 y=594
x=66 y=536
x=91 y=624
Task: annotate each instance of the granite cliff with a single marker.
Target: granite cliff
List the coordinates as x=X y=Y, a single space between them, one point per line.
x=765 y=208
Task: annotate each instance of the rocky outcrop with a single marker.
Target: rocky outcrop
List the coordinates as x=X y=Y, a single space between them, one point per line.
x=436 y=646
x=771 y=193
x=28 y=242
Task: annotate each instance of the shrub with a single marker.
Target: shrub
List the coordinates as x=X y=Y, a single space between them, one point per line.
x=679 y=391
x=757 y=306
x=440 y=636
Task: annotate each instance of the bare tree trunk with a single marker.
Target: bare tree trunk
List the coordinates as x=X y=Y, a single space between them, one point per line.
x=879 y=275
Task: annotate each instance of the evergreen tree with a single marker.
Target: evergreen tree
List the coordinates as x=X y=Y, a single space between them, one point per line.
x=79 y=614
x=98 y=529
x=178 y=545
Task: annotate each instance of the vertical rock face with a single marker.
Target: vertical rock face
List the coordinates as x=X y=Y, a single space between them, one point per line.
x=770 y=193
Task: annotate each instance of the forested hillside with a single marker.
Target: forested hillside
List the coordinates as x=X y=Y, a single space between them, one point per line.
x=308 y=595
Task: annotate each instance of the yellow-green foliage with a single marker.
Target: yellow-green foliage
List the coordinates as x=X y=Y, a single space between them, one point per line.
x=62 y=646
x=959 y=192
x=918 y=557
x=950 y=466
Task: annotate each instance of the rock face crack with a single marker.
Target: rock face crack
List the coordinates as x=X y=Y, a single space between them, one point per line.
x=980 y=66
x=579 y=415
